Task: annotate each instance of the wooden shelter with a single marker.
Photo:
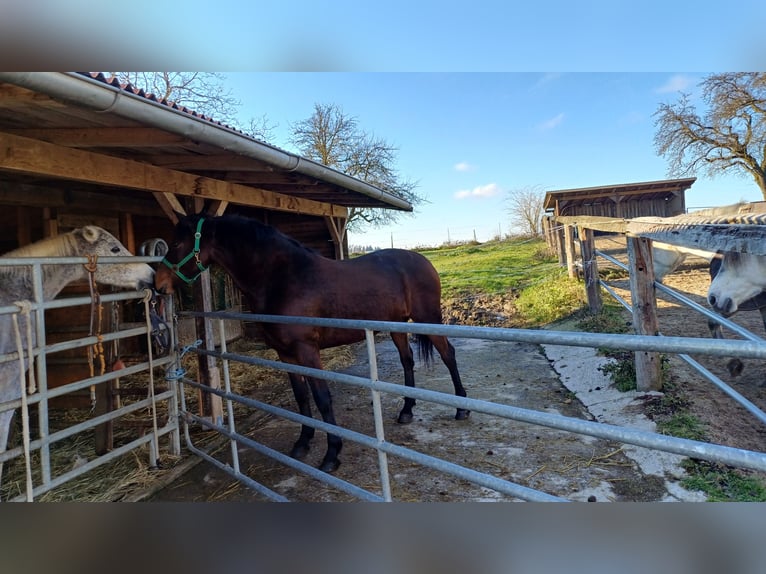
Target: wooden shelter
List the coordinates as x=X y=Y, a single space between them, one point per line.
x=80 y=148
x=664 y=198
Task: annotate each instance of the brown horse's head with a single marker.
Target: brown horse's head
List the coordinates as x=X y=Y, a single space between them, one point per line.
x=187 y=256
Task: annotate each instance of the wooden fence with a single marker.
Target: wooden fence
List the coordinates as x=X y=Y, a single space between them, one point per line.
x=743 y=233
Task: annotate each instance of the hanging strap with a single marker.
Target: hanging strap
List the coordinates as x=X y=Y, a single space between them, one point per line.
x=148 y=296
x=25 y=309
x=96 y=315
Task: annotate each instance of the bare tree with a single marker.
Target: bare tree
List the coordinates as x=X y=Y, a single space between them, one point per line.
x=730 y=137
x=333 y=138
x=202 y=92
x=525 y=207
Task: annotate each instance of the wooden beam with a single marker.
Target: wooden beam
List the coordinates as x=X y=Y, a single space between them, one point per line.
x=22 y=194
x=102 y=137
x=216 y=162
x=170 y=205
x=594 y=222
x=217 y=208
x=23 y=226
x=744 y=238
x=34 y=157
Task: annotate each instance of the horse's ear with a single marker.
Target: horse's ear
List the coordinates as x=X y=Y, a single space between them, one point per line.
x=91 y=233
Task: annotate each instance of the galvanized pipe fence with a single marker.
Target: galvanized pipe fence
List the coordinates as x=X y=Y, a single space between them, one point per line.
x=709 y=314
x=701 y=450
x=48 y=477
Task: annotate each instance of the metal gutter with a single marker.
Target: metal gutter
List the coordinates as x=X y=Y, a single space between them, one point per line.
x=103 y=98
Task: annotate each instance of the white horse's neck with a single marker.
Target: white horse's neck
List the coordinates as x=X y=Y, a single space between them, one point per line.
x=55 y=277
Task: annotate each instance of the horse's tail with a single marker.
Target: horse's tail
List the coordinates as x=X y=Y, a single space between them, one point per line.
x=425 y=349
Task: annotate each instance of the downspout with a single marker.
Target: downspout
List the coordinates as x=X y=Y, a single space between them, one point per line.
x=103 y=98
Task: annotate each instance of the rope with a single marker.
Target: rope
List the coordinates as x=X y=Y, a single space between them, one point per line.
x=155 y=439
x=25 y=308
x=96 y=309
x=179 y=371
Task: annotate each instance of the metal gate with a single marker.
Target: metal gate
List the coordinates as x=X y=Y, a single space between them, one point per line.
x=385 y=448
x=38 y=445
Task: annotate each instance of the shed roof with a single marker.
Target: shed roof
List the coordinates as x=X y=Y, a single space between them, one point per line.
x=87 y=128
x=637 y=191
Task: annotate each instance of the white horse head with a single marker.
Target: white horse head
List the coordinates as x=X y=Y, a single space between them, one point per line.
x=741 y=277
x=85 y=241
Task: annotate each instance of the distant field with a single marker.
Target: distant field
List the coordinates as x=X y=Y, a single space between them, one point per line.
x=492 y=267
x=525 y=271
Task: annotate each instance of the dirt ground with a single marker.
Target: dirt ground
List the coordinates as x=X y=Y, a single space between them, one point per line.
x=517 y=374
x=511 y=373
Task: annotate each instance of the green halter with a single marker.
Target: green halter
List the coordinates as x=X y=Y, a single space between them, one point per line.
x=176 y=267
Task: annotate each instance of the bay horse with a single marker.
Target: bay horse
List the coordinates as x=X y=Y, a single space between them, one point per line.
x=16 y=284
x=279 y=276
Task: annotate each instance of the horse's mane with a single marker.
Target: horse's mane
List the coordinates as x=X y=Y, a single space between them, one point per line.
x=57 y=246
x=243 y=229
x=63 y=245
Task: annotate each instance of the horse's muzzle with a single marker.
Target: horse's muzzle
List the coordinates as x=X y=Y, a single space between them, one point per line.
x=724 y=307
x=163 y=280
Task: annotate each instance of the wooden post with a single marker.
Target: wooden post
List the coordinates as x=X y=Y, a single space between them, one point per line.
x=559 y=235
x=590 y=270
x=209 y=374
x=546 y=233
x=569 y=248
x=643 y=296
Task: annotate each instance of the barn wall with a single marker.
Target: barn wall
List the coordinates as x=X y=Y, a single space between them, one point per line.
x=627 y=208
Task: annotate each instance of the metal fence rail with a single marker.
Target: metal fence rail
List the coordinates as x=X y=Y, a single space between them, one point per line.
x=49 y=478
x=726 y=455
x=709 y=314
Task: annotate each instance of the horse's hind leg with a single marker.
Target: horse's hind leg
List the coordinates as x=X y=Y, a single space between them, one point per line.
x=734 y=366
x=447 y=353
x=301 y=391
x=408 y=364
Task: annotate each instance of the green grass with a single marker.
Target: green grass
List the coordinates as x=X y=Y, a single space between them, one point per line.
x=524 y=268
x=723 y=484
x=494 y=267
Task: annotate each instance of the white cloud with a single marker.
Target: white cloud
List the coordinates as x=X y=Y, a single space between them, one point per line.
x=464 y=166
x=482 y=191
x=552 y=123
x=677 y=83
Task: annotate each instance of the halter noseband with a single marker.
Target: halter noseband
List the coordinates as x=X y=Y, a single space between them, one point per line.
x=176 y=267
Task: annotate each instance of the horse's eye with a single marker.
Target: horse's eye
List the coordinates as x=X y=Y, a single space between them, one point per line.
x=115 y=249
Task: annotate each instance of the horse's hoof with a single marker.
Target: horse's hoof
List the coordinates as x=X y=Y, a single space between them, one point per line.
x=735 y=367
x=299 y=451
x=329 y=466
x=462 y=414
x=404 y=418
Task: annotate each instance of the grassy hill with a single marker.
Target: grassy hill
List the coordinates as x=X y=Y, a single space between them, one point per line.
x=523 y=270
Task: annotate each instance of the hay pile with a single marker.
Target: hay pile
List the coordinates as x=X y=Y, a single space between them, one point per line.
x=130 y=477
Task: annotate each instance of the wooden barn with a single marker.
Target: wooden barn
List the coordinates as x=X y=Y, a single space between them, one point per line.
x=79 y=148
x=664 y=198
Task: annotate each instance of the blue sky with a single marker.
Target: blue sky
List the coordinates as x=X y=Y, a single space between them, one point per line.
x=470 y=138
